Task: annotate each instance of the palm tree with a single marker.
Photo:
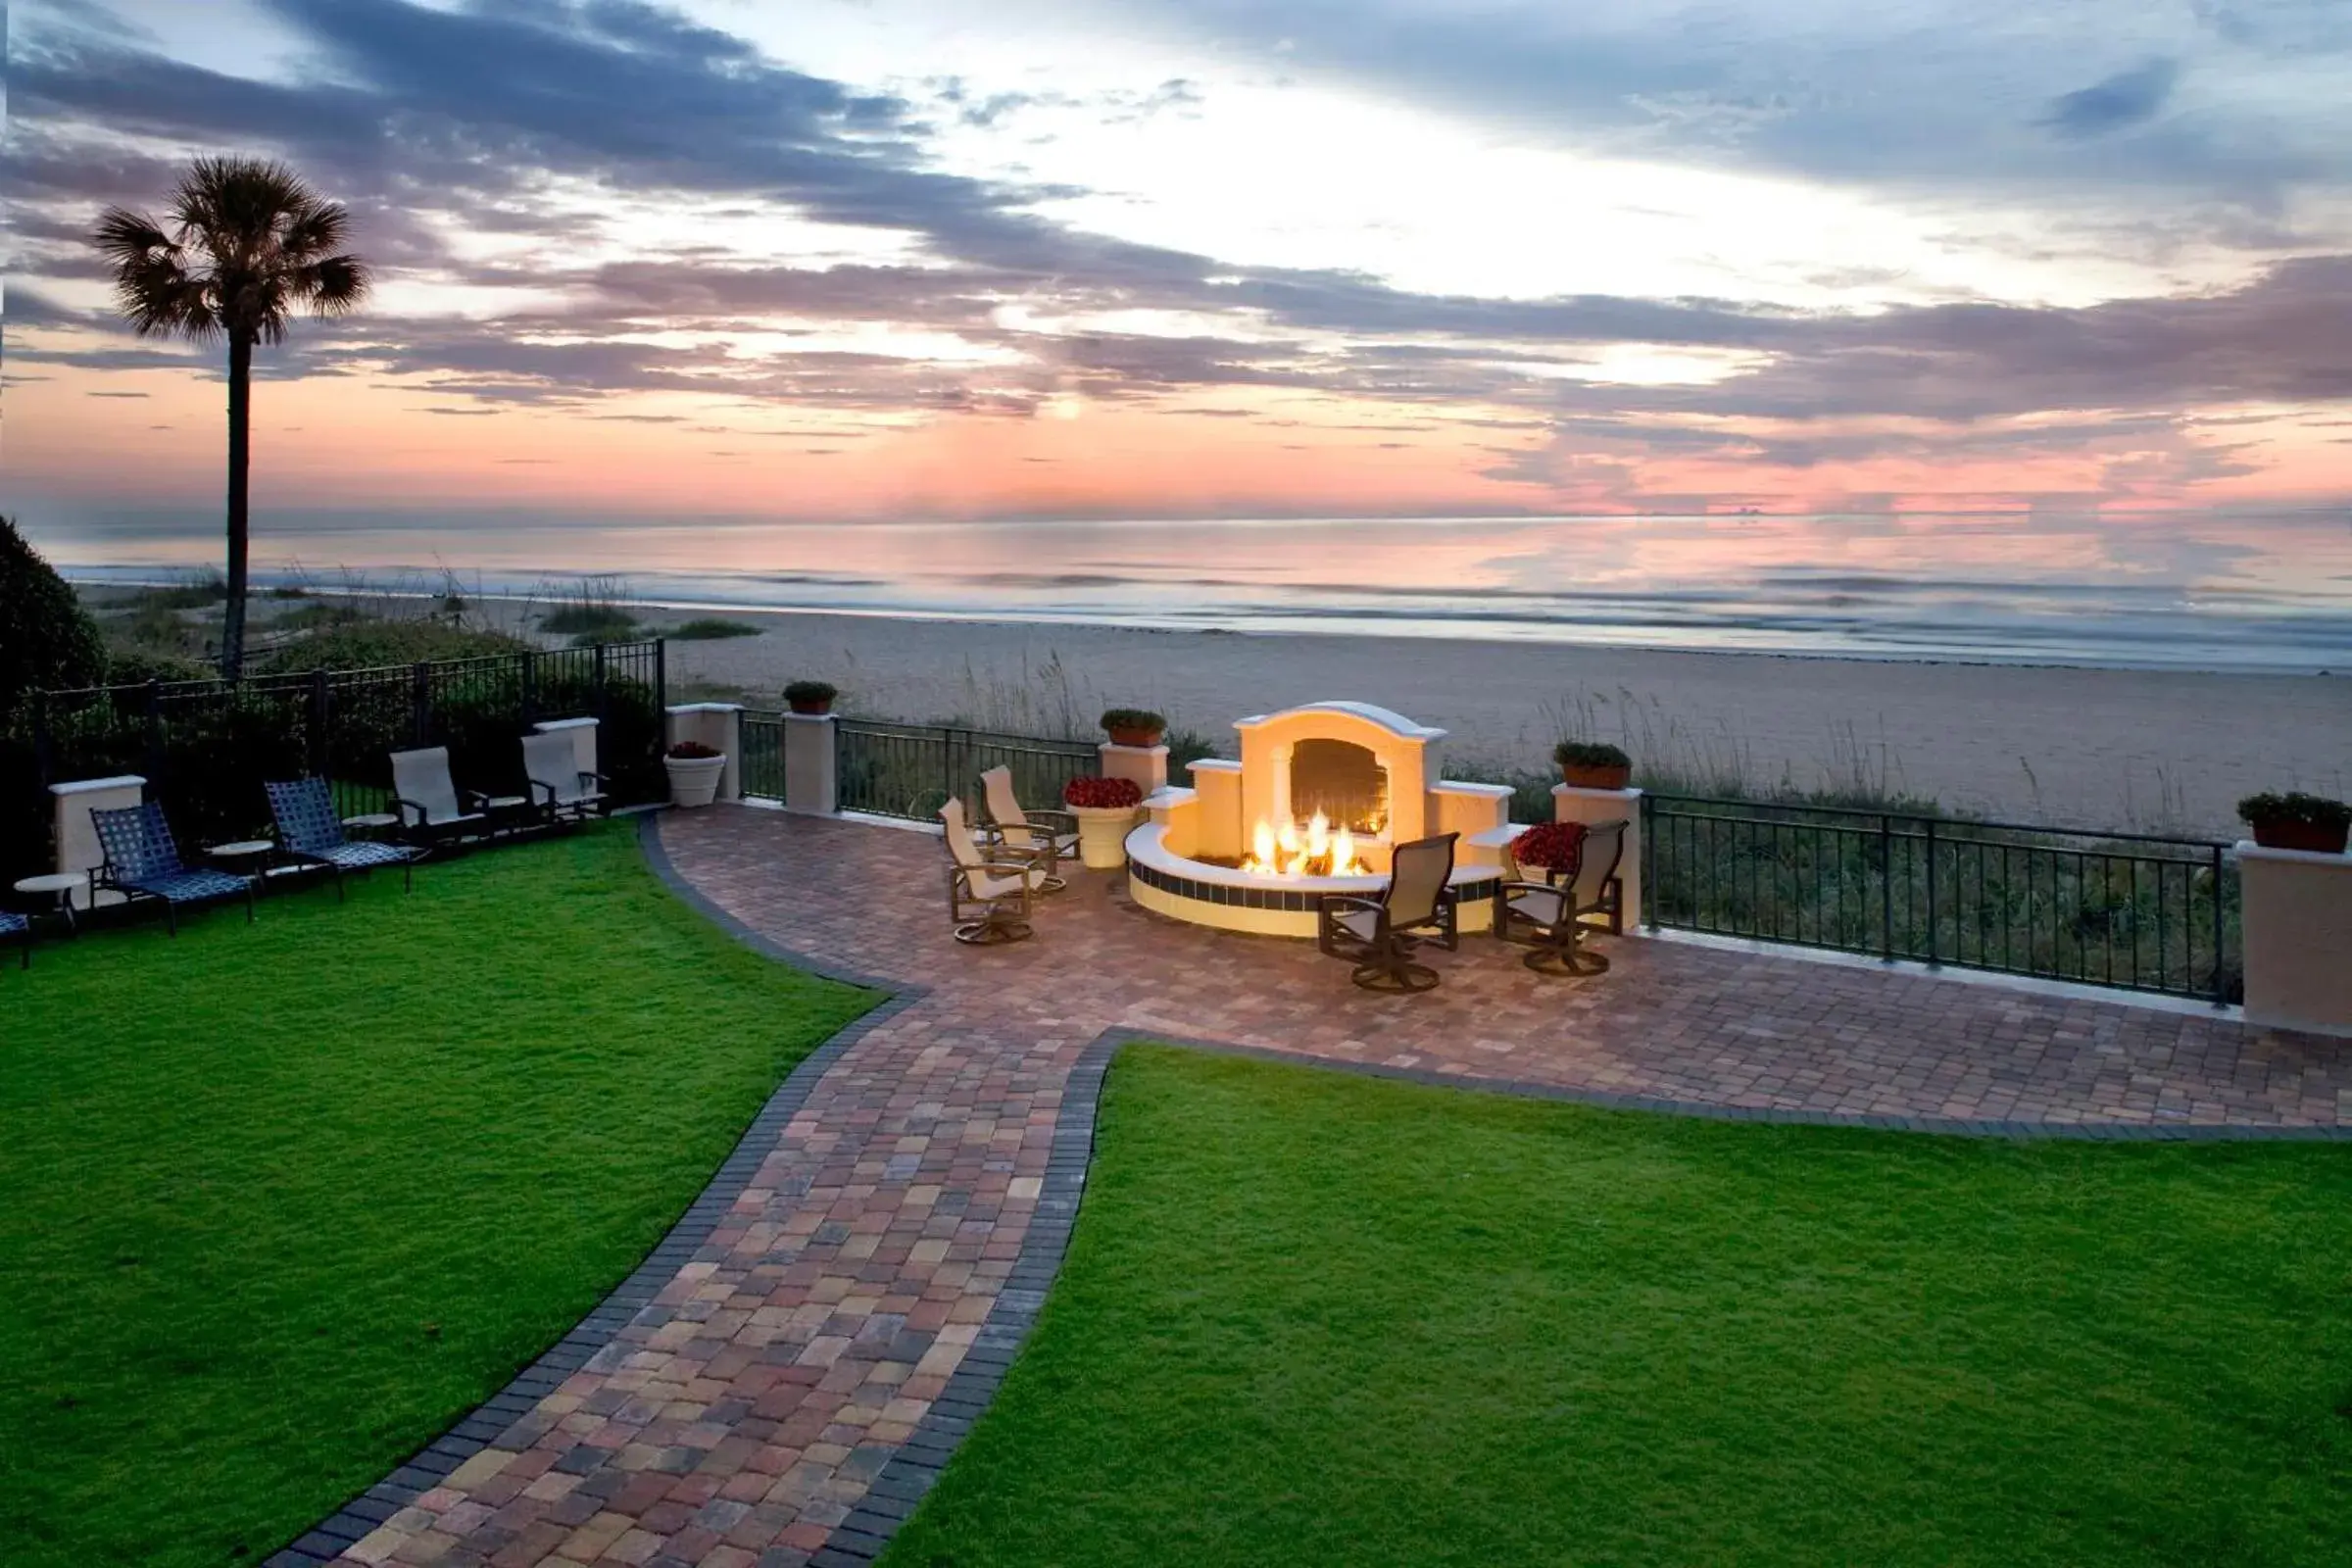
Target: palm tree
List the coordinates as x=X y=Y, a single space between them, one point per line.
x=249 y=244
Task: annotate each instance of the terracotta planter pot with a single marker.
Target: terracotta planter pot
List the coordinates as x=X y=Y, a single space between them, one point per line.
x=1145 y=738
x=694 y=780
x=813 y=709
x=1102 y=835
x=1580 y=777
x=2318 y=837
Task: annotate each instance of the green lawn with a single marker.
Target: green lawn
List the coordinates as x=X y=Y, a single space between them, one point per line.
x=1314 y=1319
x=279 y=1203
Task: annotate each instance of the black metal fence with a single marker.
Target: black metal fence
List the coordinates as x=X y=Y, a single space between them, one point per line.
x=206 y=747
x=762 y=763
x=910 y=771
x=2133 y=910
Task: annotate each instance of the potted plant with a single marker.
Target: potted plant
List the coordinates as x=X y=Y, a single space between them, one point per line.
x=694 y=770
x=1592 y=766
x=1134 y=726
x=2298 y=821
x=1554 y=849
x=810 y=697
x=1106 y=810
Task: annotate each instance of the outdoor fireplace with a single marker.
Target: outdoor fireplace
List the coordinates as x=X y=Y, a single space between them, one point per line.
x=1318 y=800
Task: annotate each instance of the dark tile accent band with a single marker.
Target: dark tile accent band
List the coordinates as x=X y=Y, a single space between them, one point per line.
x=490 y=1420
x=1286 y=901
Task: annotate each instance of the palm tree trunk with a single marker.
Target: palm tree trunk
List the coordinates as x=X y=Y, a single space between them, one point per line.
x=240 y=465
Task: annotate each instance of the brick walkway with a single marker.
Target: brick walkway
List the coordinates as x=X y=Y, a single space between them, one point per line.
x=741 y=1417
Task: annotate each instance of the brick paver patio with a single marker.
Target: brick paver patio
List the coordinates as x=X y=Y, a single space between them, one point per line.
x=742 y=1416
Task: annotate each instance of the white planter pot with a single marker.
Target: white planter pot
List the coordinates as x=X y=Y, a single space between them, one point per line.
x=694 y=780
x=1102 y=835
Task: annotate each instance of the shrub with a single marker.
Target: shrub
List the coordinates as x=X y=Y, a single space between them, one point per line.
x=1550 y=845
x=199 y=591
x=809 y=691
x=710 y=629
x=1102 y=794
x=136 y=667
x=374 y=643
x=1589 y=754
x=2315 y=810
x=1118 y=718
x=694 y=752
x=46 y=640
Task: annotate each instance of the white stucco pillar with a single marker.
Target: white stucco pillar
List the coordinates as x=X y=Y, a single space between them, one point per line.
x=2298 y=926
x=718 y=725
x=811 y=765
x=583 y=740
x=78 y=847
x=1588 y=807
x=1146 y=766
x=1475 y=812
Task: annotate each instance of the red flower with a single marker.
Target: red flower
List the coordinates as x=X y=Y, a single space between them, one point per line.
x=1108 y=794
x=1552 y=846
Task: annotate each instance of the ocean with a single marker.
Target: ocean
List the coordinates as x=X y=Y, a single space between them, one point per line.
x=2159 y=590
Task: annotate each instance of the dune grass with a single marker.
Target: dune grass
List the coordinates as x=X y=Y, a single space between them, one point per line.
x=1312 y=1319
x=279 y=1201
x=708 y=629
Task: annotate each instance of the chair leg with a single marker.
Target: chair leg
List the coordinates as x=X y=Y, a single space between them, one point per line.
x=338 y=876
x=1566 y=958
x=1390 y=968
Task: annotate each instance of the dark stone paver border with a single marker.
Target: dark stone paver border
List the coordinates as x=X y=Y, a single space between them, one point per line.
x=913 y=1468
x=912 y=1472
x=422 y=1470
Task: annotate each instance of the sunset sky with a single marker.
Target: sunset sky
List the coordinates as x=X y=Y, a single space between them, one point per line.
x=935 y=258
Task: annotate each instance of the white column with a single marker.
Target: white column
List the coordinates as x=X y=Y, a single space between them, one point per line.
x=718 y=725
x=1588 y=807
x=583 y=740
x=1146 y=766
x=811 y=765
x=2298 y=926
x=78 y=848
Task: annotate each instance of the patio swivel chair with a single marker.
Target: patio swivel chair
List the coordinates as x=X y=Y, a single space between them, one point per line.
x=1548 y=915
x=310 y=833
x=562 y=791
x=1046 y=837
x=142 y=861
x=988 y=899
x=18 y=926
x=433 y=811
x=1379 y=935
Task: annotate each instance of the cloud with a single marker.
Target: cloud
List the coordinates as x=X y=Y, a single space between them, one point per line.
x=2126 y=99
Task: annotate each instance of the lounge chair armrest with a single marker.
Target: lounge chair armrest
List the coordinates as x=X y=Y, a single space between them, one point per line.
x=473 y=800
x=1008 y=867
x=402 y=807
x=1529 y=887
x=1054 y=819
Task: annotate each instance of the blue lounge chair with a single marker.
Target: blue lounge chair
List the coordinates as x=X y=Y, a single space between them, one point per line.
x=16 y=925
x=310 y=833
x=144 y=862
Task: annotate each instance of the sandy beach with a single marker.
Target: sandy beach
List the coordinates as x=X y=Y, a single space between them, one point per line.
x=2101 y=749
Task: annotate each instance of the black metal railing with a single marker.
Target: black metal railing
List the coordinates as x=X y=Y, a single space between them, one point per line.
x=206 y=747
x=2133 y=910
x=763 y=769
x=910 y=771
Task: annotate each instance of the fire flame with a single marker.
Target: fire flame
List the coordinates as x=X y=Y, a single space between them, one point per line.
x=1318 y=850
